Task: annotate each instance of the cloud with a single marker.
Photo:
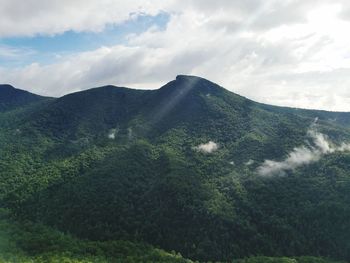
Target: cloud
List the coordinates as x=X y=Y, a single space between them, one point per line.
x=42 y=17
x=208 y=147
x=31 y=17
x=84 y=70
x=8 y=52
x=318 y=146
x=249 y=162
x=112 y=133
x=298 y=50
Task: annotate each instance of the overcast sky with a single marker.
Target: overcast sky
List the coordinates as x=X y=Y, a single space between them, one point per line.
x=283 y=52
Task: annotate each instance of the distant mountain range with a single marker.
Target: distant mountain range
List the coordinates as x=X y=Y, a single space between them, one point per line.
x=190 y=167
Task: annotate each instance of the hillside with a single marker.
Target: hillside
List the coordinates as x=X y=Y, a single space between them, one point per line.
x=189 y=167
x=12 y=98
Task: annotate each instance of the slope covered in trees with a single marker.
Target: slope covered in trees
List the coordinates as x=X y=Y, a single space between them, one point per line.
x=190 y=167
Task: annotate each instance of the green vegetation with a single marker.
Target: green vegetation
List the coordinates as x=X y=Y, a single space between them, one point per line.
x=112 y=164
x=27 y=242
x=284 y=260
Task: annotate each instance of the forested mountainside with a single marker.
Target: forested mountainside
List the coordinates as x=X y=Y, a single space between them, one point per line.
x=189 y=167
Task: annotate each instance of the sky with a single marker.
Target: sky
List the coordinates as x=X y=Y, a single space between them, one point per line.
x=284 y=52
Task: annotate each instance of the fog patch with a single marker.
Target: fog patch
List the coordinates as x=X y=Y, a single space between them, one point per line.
x=249 y=162
x=316 y=146
x=17 y=132
x=130 y=133
x=208 y=147
x=112 y=134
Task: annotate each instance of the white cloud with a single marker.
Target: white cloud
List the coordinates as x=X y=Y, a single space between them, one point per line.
x=8 y=52
x=112 y=133
x=319 y=146
x=208 y=147
x=249 y=162
x=30 y=17
x=297 y=50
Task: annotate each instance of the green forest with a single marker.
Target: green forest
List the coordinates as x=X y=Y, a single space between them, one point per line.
x=187 y=173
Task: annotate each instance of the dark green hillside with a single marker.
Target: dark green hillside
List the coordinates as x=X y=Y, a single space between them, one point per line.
x=88 y=113
x=178 y=168
x=26 y=242
x=140 y=193
x=336 y=118
x=11 y=98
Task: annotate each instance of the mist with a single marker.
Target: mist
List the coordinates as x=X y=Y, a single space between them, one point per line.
x=316 y=146
x=208 y=147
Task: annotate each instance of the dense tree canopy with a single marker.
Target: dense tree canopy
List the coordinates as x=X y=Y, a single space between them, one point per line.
x=112 y=164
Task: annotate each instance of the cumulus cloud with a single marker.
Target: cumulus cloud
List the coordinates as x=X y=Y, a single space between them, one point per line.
x=298 y=50
x=31 y=17
x=208 y=147
x=317 y=146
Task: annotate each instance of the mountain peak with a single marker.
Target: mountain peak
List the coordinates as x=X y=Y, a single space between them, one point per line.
x=10 y=97
x=188 y=77
x=193 y=79
x=7 y=92
x=189 y=84
x=6 y=87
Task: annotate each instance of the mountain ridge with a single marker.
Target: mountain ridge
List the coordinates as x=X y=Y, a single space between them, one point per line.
x=180 y=77
x=10 y=97
x=177 y=168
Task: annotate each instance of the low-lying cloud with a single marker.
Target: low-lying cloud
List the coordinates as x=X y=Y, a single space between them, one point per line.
x=112 y=133
x=249 y=162
x=208 y=147
x=317 y=146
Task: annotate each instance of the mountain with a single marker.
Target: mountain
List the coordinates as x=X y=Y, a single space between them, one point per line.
x=190 y=167
x=11 y=98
